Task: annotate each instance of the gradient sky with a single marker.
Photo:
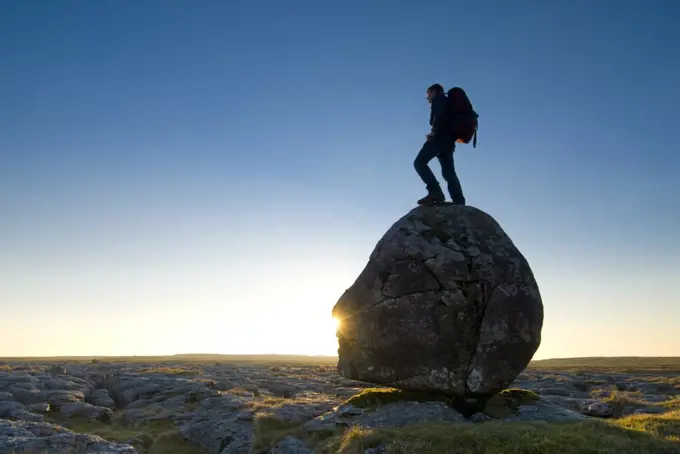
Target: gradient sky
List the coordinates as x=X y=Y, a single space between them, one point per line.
x=209 y=176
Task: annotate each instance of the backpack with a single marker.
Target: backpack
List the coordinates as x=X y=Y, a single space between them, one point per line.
x=461 y=116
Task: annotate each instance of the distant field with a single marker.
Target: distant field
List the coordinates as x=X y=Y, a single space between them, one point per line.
x=606 y=364
x=667 y=364
x=185 y=358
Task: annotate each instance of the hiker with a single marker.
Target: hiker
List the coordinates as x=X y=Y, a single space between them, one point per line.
x=440 y=143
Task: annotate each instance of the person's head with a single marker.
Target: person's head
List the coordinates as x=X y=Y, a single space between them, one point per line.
x=434 y=90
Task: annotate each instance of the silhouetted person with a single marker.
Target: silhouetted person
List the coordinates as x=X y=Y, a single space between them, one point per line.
x=441 y=143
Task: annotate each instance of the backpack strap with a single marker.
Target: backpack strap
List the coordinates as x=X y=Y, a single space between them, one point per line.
x=474 y=139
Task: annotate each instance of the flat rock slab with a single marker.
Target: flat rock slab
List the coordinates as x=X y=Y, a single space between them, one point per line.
x=44 y=438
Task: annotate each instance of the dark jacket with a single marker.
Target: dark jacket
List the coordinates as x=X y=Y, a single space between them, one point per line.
x=437 y=119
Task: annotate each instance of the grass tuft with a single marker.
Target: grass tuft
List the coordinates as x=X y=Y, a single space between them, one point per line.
x=665 y=426
x=673 y=403
x=269 y=430
x=169 y=371
x=244 y=391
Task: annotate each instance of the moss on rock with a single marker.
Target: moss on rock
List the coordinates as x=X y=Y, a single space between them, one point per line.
x=375 y=397
x=508 y=401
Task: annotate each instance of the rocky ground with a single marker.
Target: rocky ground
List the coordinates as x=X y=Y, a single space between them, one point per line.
x=259 y=408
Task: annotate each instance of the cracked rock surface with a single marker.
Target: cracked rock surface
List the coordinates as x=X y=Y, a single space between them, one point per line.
x=44 y=438
x=446 y=304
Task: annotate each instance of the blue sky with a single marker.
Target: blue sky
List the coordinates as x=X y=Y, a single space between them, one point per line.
x=210 y=176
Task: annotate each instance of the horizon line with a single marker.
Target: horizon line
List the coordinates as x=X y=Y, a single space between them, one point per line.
x=2 y=358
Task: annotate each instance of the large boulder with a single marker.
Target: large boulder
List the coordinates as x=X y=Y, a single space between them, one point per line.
x=446 y=304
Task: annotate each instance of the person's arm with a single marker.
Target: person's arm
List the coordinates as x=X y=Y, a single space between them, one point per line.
x=437 y=115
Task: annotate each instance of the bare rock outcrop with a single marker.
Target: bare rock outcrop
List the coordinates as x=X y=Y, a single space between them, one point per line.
x=43 y=438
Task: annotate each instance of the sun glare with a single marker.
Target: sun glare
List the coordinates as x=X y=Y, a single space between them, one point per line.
x=293 y=333
x=289 y=316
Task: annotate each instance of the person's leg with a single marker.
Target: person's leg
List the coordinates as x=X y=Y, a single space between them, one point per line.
x=449 y=174
x=426 y=154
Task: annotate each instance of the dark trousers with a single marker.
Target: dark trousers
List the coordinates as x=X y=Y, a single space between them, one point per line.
x=442 y=150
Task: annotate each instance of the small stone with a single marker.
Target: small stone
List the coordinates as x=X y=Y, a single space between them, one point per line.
x=379 y=450
x=291 y=445
x=599 y=409
x=480 y=417
x=87 y=411
x=39 y=408
x=101 y=398
x=246 y=415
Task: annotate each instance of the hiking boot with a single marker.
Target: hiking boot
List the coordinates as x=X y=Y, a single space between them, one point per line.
x=432 y=199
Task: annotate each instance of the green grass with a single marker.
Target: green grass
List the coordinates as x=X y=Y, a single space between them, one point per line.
x=622 y=364
x=673 y=403
x=269 y=430
x=665 y=426
x=660 y=380
x=637 y=434
x=655 y=436
x=619 y=400
x=158 y=437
